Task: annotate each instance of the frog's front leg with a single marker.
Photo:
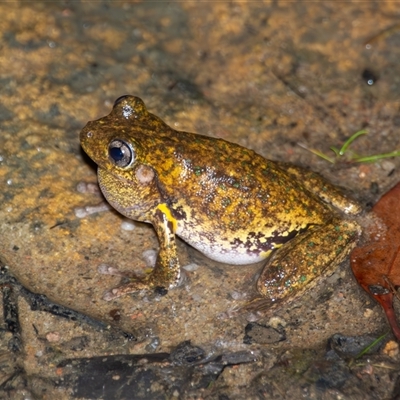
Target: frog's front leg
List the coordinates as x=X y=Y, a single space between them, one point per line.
x=296 y=266
x=166 y=273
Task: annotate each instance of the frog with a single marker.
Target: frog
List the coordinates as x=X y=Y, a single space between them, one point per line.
x=223 y=199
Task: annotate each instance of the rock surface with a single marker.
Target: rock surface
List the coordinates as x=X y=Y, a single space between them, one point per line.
x=266 y=75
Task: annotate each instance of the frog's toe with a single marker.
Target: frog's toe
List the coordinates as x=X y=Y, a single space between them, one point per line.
x=127 y=288
x=111 y=294
x=108 y=270
x=181 y=280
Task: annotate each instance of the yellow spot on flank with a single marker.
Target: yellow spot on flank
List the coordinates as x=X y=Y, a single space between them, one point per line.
x=265 y=254
x=167 y=212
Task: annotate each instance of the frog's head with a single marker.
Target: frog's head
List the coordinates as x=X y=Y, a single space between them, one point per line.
x=118 y=142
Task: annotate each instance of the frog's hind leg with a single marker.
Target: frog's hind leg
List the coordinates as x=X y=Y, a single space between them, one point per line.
x=295 y=267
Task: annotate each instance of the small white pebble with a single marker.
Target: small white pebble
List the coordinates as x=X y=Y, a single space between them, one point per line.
x=150 y=257
x=81 y=187
x=53 y=337
x=83 y=212
x=387 y=165
x=80 y=212
x=128 y=225
x=84 y=187
x=368 y=313
x=110 y=295
x=236 y=295
x=253 y=317
x=191 y=267
x=276 y=321
x=391 y=349
x=108 y=270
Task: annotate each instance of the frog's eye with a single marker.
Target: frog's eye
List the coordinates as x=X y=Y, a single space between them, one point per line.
x=121 y=153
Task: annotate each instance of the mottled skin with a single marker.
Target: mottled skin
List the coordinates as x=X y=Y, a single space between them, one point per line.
x=223 y=199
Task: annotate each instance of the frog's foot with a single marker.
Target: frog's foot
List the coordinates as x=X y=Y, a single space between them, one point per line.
x=156 y=278
x=149 y=257
x=135 y=285
x=293 y=269
x=136 y=282
x=106 y=269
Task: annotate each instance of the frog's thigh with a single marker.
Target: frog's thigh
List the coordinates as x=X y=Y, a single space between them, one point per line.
x=327 y=192
x=293 y=267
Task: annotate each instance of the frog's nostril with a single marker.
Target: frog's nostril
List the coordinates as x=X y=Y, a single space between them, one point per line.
x=121 y=153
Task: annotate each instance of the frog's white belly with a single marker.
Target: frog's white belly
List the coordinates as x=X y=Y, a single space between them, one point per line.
x=222 y=250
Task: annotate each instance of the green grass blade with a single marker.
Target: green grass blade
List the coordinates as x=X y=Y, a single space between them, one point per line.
x=350 y=140
x=335 y=150
x=377 y=157
x=322 y=155
x=317 y=153
x=369 y=347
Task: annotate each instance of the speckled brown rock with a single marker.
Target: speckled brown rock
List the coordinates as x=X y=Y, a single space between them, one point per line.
x=265 y=75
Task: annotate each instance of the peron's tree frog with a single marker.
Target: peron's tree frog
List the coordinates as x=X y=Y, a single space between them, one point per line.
x=225 y=200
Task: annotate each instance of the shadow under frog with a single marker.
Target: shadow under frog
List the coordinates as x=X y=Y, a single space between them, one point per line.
x=223 y=199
